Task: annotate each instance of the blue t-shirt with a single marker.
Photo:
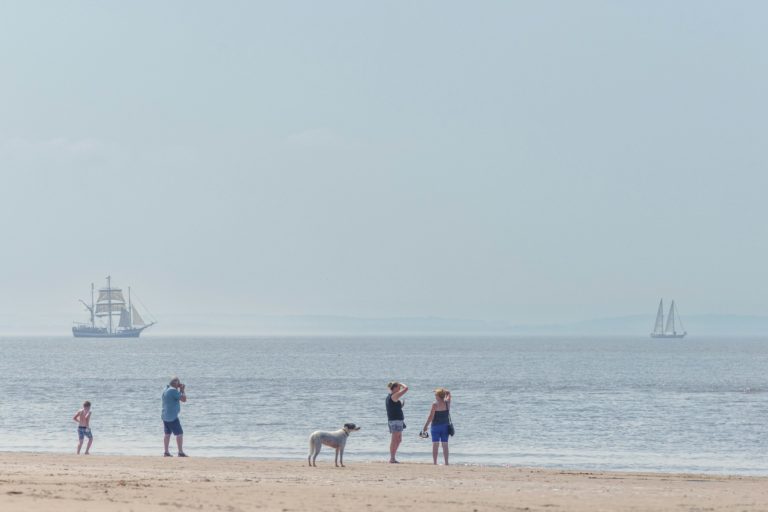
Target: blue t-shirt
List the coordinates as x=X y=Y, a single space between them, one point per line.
x=171 y=403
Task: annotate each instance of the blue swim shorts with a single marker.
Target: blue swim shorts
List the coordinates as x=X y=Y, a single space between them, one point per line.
x=439 y=433
x=173 y=427
x=396 y=426
x=84 y=432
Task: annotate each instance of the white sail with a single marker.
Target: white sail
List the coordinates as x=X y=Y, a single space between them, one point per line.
x=659 y=318
x=113 y=295
x=670 y=328
x=104 y=309
x=125 y=318
x=110 y=301
x=137 y=320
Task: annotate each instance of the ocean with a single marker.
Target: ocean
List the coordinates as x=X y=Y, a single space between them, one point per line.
x=593 y=403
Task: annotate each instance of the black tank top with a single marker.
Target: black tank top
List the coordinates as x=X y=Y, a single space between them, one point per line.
x=394 y=409
x=440 y=418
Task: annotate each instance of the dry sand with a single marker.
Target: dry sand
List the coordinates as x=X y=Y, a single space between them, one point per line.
x=35 y=482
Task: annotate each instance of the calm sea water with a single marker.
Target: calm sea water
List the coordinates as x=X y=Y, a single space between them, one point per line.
x=594 y=403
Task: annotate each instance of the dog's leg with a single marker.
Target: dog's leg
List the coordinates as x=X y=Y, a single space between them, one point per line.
x=336 y=459
x=341 y=456
x=318 y=446
x=314 y=449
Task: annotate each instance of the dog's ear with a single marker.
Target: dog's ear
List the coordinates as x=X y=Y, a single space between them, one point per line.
x=350 y=426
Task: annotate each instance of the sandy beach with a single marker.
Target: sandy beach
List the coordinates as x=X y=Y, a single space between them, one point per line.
x=37 y=482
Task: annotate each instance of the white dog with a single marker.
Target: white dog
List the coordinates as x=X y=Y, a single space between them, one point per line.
x=336 y=439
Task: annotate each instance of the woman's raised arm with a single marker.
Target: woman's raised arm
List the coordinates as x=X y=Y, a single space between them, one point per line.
x=400 y=392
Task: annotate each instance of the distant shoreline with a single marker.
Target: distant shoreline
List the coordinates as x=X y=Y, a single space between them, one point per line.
x=337 y=325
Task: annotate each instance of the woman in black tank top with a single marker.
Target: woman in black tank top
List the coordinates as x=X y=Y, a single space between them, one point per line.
x=395 y=417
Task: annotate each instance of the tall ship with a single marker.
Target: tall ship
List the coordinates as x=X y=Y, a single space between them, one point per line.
x=111 y=315
x=668 y=330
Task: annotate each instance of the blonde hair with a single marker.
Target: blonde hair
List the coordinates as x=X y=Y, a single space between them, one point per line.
x=441 y=392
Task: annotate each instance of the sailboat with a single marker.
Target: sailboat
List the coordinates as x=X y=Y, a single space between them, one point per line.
x=111 y=303
x=670 y=329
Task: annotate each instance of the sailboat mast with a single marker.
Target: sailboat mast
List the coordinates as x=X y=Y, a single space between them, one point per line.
x=109 y=301
x=93 y=318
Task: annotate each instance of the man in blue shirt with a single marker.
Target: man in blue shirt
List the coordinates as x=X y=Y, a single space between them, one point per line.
x=173 y=395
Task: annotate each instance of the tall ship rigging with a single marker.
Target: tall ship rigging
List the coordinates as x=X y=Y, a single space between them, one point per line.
x=668 y=330
x=111 y=315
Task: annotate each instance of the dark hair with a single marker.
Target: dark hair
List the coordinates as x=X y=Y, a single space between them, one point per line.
x=86 y=403
x=391 y=384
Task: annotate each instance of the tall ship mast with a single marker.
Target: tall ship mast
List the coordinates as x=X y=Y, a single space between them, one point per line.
x=111 y=316
x=668 y=330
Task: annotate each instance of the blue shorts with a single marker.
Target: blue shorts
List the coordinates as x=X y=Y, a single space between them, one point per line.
x=83 y=432
x=439 y=433
x=173 y=427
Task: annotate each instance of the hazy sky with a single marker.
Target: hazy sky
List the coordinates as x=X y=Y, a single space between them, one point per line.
x=517 y=161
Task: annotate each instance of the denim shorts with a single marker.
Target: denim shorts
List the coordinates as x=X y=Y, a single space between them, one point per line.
x=173 y=427
x=396 y=426
x=84 y=432
x=439 y=433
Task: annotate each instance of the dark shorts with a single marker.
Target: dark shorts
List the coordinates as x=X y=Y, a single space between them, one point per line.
x=440 y=433
x=84 y=432
x=173 y=427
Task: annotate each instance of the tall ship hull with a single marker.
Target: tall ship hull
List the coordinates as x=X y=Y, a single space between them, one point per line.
x=98 y=332
x=110 y=304
x=668 y=330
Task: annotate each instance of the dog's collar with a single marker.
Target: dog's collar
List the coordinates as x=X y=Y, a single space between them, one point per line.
x=346 y=432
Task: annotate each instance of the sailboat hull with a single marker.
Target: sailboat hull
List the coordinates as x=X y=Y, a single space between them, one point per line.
x=669 y=336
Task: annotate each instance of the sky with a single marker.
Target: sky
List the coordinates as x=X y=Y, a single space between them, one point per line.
x=504 y=161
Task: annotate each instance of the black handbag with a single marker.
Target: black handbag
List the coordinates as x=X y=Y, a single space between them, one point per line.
x=451 y=430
